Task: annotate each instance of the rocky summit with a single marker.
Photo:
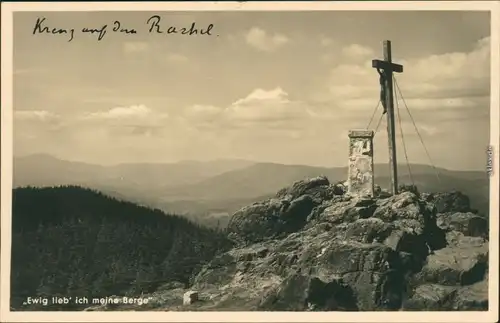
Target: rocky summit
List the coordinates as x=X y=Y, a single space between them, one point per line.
x=313 y=247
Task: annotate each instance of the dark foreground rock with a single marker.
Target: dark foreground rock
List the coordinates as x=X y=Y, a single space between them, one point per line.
x=463 y=262
x=314 y=248
x=467 y=223
x=449 y=201
x=434 y=297
x=301 y=293
x=284 y=214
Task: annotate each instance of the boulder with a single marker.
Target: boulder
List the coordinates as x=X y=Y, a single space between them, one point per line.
x=277 y=217
x=305 y=293
x=258 y=221
x=461 y=264
x=368 y=230
x=404 y=205
x=305 y=186
x=342 y=212
x=468 y=223
x=371 y=271
x=472 y=298
x=339 y=188
x=431 y=297
x=250 y=253
x=445 y=202
x=219 y=271
x=435 y=297
x=409 y=188
x=171 y=285
x=458 y=239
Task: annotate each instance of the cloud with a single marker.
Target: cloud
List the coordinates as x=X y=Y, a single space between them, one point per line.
x=273 y=106
x=444 y=103
x=30 y=71
x=30 y=124
x=453 y=65
x=429 y=130
x=135 y=47
x=131 y=120
x=202 y=111
x=457 y=74
x=177 y=58
x=457 y=81
x=262 y=105
x=326 y=41
x=200 y=116
x=356 y=51
x=261 y=109
x=36 y=115
x=276 y=95
x=131 y=112
x=261 y=40
x=351 y=54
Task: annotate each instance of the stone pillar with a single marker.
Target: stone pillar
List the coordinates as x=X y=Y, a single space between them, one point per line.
x=360 y=178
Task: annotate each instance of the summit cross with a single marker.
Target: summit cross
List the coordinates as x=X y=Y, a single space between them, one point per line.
x=386 y=68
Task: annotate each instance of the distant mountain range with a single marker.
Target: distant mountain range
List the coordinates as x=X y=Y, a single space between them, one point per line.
x=42 y=169
x=217 y=188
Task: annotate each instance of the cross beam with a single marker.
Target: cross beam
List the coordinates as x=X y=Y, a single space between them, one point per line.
x=388 y=68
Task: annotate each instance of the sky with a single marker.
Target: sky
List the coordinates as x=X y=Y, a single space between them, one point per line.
x=281 y=87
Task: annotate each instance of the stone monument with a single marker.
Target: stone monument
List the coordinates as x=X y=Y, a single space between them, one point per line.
x=360 y=179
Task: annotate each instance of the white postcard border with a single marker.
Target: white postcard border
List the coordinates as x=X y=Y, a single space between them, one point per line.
x=7 y=161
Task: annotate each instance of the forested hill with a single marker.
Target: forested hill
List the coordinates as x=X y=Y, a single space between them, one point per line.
x=71 y=241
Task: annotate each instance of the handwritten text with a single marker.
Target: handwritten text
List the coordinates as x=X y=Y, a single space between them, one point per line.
x=152 y=25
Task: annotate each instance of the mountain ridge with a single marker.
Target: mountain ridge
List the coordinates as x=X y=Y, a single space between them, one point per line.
x=200 y=188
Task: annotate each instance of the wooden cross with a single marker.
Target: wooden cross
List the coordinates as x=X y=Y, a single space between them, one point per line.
x=388 y=68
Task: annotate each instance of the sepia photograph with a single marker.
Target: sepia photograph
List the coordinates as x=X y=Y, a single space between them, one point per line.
x=238 y=157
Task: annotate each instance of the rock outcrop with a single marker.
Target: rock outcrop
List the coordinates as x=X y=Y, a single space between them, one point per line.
x=313 y=247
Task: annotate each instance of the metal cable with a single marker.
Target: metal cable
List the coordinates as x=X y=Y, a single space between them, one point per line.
x=403 y=137
x=418 y=132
